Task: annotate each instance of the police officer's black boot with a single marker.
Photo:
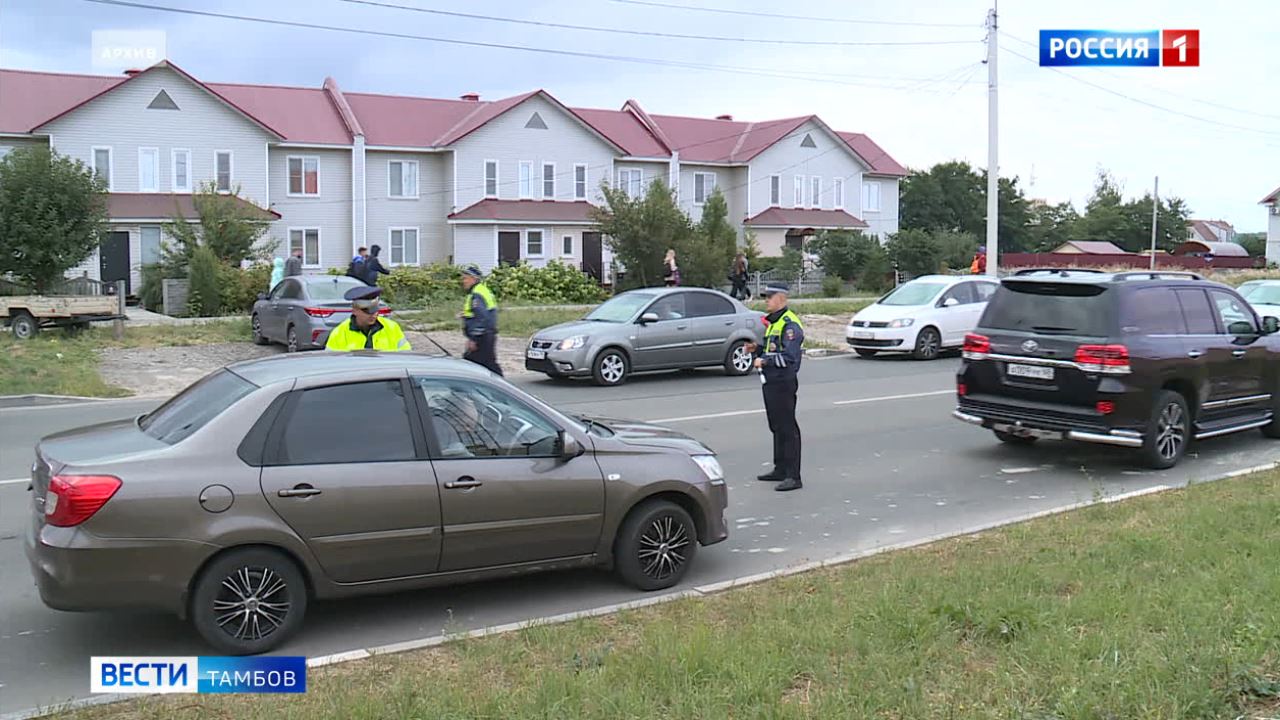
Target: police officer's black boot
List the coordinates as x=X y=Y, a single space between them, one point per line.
x=789 y=484
x=771 y=476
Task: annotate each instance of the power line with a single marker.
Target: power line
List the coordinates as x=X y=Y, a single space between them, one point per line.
x=779 y=16
x=759 y=72
x=1140 y=101
x=652 y=33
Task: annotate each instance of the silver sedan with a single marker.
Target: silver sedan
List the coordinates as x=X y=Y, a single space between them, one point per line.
x=650 y=329
x=301 y=310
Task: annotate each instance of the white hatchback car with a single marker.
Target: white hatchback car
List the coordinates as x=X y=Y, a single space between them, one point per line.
x=922 y=316
x=1263 y=295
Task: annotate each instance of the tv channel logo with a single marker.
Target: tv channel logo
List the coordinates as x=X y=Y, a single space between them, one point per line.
x=1108 y=48
x=206 y=674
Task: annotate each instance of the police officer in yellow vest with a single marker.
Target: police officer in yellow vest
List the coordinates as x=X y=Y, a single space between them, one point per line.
x=365 y=329
x=480 y=320
x=778 y=362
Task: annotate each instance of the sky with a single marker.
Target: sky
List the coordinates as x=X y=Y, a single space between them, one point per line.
x=1211 y=134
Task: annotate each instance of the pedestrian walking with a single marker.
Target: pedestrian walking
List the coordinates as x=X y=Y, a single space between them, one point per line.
x=356 y=267
x=479 y=320
x=293 y=266
x=779 y=363
x=277 y=273
x=366 y=329
x=373 y=266
x=738 y=276
x=979 y=264
x=671 y=271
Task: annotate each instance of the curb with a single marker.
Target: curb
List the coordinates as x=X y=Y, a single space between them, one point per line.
x=695 y=592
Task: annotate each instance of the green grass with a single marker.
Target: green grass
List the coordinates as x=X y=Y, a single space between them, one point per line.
x=58 y=363
x=1159 y=607
x=836 y=306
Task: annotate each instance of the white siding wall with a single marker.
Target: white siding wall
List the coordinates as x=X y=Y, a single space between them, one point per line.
x=427 y=212
x=121 y=120
x=828 y=160
x=732 y=181
x=771 y=241
x=885 y=222
x=649 y=172
x=475 y=245
x=1273 y=238
x=478 y=244
x=330 y=210
x=505 y=139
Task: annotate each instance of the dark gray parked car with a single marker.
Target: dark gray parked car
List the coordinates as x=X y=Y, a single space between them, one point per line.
x=276 y=481
x=301 y=310
x=651 y=329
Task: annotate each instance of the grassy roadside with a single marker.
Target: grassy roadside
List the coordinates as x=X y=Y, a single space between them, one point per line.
x=57 y=363
x=1159 y=607
x=512 y=321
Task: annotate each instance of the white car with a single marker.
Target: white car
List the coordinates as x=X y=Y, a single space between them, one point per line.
x=922 y=316
x=1263 y=295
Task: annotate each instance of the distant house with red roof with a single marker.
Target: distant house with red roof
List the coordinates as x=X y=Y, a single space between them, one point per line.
x=428 y=179
x=1210 y=231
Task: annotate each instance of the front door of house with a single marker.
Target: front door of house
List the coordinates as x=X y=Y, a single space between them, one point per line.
x=593 y=255
x=508 y=248
x=113 y=259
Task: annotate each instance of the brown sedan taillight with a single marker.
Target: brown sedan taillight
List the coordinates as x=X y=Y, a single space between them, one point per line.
x=72 y=499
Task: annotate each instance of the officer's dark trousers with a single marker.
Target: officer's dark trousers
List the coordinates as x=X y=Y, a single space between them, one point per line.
x=485 y=353
x=780 y=407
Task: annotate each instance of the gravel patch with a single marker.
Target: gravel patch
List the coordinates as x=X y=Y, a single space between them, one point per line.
x=167 y=370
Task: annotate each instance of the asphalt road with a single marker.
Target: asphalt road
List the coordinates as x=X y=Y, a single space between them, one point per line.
x=883 y=463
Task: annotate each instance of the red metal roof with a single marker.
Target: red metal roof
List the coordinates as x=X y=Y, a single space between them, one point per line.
x=1273 y=197
x=879 y=160
x=298 y=114
x=723 y=141
x=162 y=207
x=407 y=121
x=626 y=131
x=803 y=218
x=533 y=211
x=28 y=98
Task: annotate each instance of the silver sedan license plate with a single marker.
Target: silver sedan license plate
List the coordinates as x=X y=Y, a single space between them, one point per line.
x=1037 y=372
x=536 y=354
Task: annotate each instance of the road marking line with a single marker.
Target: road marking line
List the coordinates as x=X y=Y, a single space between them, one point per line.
x=15 y=481
x=707 y=417
x=894 y=397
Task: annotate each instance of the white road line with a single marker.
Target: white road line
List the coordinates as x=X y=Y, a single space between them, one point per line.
x=15 y=481
x=707 y=417
x=907 y=396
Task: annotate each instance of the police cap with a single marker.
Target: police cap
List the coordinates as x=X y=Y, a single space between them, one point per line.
x=775 y=288
x=365 y=298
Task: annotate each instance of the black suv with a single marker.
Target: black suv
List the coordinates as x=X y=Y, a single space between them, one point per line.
x=1144 y=360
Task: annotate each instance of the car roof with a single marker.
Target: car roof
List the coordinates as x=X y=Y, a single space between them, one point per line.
x=951 y=279
x=321 y=279
x=353 y=365
x=1128 y=278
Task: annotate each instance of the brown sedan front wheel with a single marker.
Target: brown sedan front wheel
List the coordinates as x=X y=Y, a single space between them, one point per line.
x=655 y=545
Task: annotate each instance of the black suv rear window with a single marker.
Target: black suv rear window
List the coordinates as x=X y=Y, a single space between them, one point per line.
x=189 y=410
x=1049 y=308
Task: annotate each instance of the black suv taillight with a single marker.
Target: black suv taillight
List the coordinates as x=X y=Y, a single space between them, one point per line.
x=1104 y=359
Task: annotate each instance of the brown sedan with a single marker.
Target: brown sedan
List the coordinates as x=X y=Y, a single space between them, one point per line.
x=273 y=482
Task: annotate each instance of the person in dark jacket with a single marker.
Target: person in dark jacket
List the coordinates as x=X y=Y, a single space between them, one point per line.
x=355 y=268
x=479 y=320
x=779 y=363
x=738 y=277
x=293 y=266
x=373 y=266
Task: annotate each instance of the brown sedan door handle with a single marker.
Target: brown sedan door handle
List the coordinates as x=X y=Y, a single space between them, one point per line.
x=1237 y=353
x=300 y=490
x=463 y=483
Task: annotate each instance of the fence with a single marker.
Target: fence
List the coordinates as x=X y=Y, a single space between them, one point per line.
x=1137 y=262
x=174 y=297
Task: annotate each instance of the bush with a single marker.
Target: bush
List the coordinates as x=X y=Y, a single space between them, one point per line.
x=843 y=253
x=205 y=277
x=957 y=248
x=151 y=293
x=416 y=286
x=553 y=284
x=832 y=286
x=790 y=265
x=876 y=274
x=915 y=252
x=240 y=287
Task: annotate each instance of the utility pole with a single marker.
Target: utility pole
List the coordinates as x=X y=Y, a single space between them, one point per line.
x=993 y=164
x=1155 y=215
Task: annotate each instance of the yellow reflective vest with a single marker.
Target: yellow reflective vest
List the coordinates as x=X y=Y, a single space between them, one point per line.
x=346 y=337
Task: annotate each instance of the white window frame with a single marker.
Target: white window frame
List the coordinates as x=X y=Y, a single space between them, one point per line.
x=542 y=251
x=705 y=193
x=797 y=197
x=155 y=165
x=93 y=163
x=815 y=192
x=5 y=150
x=497 y=186
x=625 y=184
x=775 y=191
x=173 y=170
x=580 y=187
x=552 y=195
x=288 y=175
x=525 y=180
x=417 y=178
x=142 y=243
x=417 y=245
x=319 y=244
x=867 y=205
x=837 y=192
x=231 y=171
x=563 y=251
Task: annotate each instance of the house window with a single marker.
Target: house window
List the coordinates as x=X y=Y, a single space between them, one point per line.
x=566 y=245
x=308 y=239
x=491 y=178
x=630 y=181
x=533 y=243
x=837 y=189
x=402 y=178
x=182 y=171
x=526 y=180
x=148 y=169
x=775 y=191
x=815 y=192
x=703 y=185
x=101 y=164
x=304 y=176
x=151 y=246
x=579 y=182
x=222 y=170
x=404 y=246
x=870 y=197
x=797 y=200
x=548 y=181
x=5 y=150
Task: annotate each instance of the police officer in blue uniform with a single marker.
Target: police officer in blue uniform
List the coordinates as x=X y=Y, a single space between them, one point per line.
x=480 y=320
x=779 y=362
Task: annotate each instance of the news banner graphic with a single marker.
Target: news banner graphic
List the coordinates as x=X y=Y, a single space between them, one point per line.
x=265 y=674
x=1106 y=48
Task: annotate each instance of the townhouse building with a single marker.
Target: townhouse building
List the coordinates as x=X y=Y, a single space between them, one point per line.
x=460 y=180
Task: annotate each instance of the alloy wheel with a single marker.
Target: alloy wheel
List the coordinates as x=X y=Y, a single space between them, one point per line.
x=252 y=603
x=293 y=340
x=612 y=368
x=741 y=359
x=928 y=344
x=663 y=548
x=1171 y=431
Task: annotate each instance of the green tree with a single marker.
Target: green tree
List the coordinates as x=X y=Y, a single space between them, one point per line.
x=876 y=272
x=791 y=264
x=1049 y=226
x=1128 y=224
x=640 y=231
x=955 y=249
x=228 y=226
x=843 y=253
x=915 y=252
x=706 y=256
x=204 y=297
x=53 y=210
x=1255 y=243
x=952 y=196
